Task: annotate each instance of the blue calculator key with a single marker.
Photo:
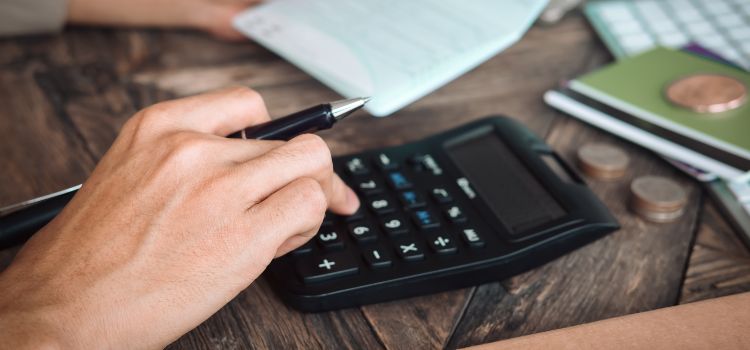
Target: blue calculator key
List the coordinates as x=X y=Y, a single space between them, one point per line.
x=398 y=180
x=412 y=199
x=424 y=219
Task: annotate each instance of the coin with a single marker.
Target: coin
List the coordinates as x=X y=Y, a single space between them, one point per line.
x=707 y=93
x=657 y=199
x=602 y=161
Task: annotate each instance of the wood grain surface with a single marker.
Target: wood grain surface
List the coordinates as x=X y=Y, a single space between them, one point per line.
x=64 y=98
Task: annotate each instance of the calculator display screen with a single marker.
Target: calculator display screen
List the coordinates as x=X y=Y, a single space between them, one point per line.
x=510 y=190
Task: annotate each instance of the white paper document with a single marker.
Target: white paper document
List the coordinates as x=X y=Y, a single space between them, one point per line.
x=393 y=50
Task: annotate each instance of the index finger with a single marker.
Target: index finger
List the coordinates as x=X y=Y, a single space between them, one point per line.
x=220 y=112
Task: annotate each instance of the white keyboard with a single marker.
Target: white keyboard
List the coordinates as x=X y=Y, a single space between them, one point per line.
x=629 y=27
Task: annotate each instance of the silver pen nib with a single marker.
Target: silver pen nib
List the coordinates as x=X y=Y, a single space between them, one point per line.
x=341 y=109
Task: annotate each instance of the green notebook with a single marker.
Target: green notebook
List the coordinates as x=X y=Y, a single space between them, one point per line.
x=637 y=86
x=627 y=98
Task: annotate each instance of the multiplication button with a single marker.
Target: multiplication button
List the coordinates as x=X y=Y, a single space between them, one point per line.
x=327 y=267
x=410 y=250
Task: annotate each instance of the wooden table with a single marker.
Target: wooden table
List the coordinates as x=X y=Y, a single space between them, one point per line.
x=64 y=97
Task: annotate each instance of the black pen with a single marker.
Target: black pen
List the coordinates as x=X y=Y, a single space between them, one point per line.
x=19 y=221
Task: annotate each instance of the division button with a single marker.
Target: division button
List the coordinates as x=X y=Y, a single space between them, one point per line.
x=442 y=244
x=356 y=166
x=425 y=219
x=410 y=250
x=329 y=238
x=327 y=267
x=441 y=195
x=377 y=258
x=395 y=225
x=472 y=237
x=362 y=232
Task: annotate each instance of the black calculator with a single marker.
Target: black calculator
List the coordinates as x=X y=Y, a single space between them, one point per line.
x=478 y=203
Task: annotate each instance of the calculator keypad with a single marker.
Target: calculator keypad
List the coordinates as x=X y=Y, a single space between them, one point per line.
x=401 y=222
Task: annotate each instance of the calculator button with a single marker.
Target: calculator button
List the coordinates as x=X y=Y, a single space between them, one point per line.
x=381 y=205
x=410 y=250
x=412 y=200
x=472 y=237
x=455 y=214
x=377 y=257
x=330 y=239
x=425 y=219
x=328 y=219
x=356 y=166
x=441 y=195
x=358 y=215
x=362 y=232
x=426 y=162
x=385 y=162
x=395 y=225
x=304 y=249
x=398 y=181
x=368 y=186
x=442 y=244
x=327 y=267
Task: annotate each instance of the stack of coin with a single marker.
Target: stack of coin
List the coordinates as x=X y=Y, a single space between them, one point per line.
x=707 y=93
x=602 y=161
x=657 y=199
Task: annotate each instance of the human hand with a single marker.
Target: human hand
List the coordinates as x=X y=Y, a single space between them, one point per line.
x=173 y=223
x=214 y=16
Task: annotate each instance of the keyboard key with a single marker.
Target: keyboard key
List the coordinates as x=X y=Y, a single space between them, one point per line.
x=385 y=162
x=381 y=205
x=362 y=232
x=377 y=257
x=441 y=195
x=442 y=244
x=412 y=200
x=472 y=238
x=329 y=218
x=368 y=186
x=329 y=239
x=356 y=166
x=395 y=225
x=327 y=267
x=398 y=181
x=410 y=250
x=455 y=214
x=425 y=219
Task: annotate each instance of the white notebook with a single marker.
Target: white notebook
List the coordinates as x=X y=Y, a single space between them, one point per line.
x=393 y=50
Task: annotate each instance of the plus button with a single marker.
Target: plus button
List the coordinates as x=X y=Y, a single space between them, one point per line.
x=326 y=264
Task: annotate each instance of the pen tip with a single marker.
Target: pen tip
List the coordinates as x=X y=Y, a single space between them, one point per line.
x=343 y=108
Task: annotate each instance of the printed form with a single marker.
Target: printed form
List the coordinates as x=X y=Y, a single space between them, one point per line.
x=393 y=50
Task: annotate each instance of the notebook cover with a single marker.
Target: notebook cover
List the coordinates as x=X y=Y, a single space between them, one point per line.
x=636 y=85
